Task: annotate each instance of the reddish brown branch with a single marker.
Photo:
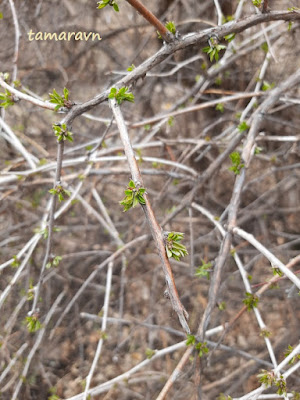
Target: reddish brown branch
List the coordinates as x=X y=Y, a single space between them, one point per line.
x=151 y=18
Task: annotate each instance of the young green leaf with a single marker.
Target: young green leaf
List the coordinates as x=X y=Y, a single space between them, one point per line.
x=202 y=348
x=121 y=95
x=191 y=340
x=60 y=101
x=32 y=323
x=237 y=165
x=251 y=301
x=62 y=133
x=256 y=3
x=204 y=270
x=60 y=192
x=16 y=262
x=131 y=68
x=7 y=99
x=213 y=49
x=133 y=196
x=243 y=126
x=170 y=25
x=220 y=107
x=112 y=3
x=229 y=37
x=173 y=246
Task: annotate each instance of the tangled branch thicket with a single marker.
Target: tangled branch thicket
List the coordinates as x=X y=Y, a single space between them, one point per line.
x=201 y=131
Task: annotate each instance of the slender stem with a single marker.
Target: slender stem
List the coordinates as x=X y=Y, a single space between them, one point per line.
x=36 y=345
x=23 y=96
x=103 y=329
x=17 y=39
x=60 y=152
x=156 y=230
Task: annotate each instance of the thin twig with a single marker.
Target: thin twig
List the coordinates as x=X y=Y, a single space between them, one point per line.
x=26 y=97
x=37 y=344
x=219 y=12
x=156 y=230
x=17 y=39
x=90 y=278
x=103 y=329
x=273 y=259
x=104 y=387
x=60 y=152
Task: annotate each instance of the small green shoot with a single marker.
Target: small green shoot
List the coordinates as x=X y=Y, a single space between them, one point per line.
x=171 y=121
x=133 y=196
x=288 y=352
x=204 y=270
x=131 y=68
x=60 y=192
x=229 y=37
x=191 y=340
x=265 y=333
x=54 y=262
x=42 y=232
x=62 y=133
x=150 y=353
x=243 y=126
x=16 y=262
x=256 y=3
x=265 y=47
x=213 y=49
x=251 y=301
x=277 y=271
x=173 y=246
x=121 y=95
x=30 y=292
x=258 y=150
x=104 y=3
x=53 y=396
x=222 y=306
x=222 y=396
x=201 y=347
x=32 y=323
x=220 y=107
x=266 y=377
x=281 y=385
x=236 y=161
x=7 y=99
x=267 y=86
x=61 y=101
x=170 y=25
